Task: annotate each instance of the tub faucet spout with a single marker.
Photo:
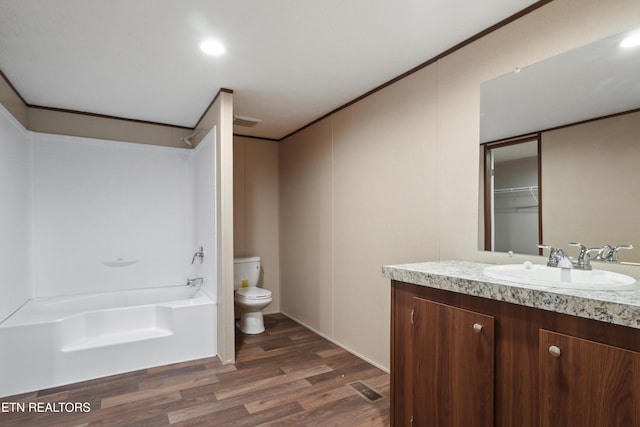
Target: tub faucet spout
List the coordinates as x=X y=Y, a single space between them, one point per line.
x=198 y=254
x=197 y=281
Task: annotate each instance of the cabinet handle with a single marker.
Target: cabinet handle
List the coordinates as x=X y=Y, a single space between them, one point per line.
x=477 y=327
x=554 y=351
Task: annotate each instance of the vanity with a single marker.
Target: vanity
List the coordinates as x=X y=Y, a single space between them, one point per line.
x=471 y=350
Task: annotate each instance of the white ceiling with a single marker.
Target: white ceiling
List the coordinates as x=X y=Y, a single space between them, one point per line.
x=595 y=80
x=288 y=62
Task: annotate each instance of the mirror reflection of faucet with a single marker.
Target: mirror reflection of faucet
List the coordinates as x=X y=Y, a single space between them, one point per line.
x=198 y=254
x=559 y=258
x=610 y=253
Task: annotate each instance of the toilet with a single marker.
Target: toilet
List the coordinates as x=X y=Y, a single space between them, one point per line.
x=249 y=298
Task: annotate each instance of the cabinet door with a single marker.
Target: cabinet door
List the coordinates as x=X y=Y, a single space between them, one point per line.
x=584 y=383
x=453 y=366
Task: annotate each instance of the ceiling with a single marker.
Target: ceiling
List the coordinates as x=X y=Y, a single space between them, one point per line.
x=591 y=81
x=288 y=62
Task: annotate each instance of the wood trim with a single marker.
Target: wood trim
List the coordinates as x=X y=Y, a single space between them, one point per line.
x=106 y=116
x=595 y=119
x=239 y=135
x=511 y=140
x=487 y=198
x=540 y=237
x=13 y=88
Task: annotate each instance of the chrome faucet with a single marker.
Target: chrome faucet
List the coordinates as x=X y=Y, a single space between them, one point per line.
x=198 y=254
x=609 y=253
x=557 y=257
x=583 y=258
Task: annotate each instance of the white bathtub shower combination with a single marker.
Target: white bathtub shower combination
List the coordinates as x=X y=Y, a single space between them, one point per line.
x=61 y=340
x=84 y=223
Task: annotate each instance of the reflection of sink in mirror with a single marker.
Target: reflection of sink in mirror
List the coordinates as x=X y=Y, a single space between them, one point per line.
x=541 y=275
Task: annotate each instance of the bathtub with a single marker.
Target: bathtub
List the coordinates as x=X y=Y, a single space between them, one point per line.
x=61 y=340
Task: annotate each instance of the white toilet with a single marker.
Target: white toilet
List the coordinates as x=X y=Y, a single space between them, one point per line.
x=250 y=299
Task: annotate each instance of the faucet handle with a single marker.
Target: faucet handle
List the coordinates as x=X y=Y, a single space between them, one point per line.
x=614 y=252
x=583 y=250
x=578 y=245
x=583 y=257
x=555 y=255
x=605 y=253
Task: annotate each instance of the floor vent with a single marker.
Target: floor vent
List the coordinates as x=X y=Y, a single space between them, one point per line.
x=365 y=391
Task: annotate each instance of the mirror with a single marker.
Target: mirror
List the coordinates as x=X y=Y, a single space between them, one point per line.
x=583 y=106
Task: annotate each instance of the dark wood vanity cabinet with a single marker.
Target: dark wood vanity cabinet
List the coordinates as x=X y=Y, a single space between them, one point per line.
x=585 y=383
x=453 y=359
x=459 y=360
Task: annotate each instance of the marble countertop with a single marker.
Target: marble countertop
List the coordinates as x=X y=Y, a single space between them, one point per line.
x=466 y=277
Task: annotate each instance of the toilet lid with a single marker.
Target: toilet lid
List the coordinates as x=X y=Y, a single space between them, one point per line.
x=253 y=293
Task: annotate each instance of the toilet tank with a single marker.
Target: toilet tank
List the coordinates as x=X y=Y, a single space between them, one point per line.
x=246 y=272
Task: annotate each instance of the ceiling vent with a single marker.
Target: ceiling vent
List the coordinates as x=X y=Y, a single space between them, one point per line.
x=245 y=121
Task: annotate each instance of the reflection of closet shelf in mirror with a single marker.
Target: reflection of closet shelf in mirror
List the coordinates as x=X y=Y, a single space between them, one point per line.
x=529 y=190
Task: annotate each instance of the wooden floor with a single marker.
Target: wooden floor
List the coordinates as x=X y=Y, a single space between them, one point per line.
x=286 y=376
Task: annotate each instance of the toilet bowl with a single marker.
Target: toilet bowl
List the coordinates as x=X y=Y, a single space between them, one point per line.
x=250 y=299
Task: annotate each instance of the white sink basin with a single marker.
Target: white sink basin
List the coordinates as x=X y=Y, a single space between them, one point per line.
x=541 y=275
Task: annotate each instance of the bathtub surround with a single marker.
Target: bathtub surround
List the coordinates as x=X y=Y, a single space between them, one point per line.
x=110 y=215
x=15 y=207
x=204 y=213
x=83 y=217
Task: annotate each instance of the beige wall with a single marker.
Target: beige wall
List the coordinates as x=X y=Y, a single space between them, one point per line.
x=91 y=126
x=306 y=233
x=590 y=184
x=255 y=215
x=394 y=178
x=352 y=200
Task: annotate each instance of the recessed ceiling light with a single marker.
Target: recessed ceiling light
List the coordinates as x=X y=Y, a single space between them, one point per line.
x=631 y=40
x=212 y=47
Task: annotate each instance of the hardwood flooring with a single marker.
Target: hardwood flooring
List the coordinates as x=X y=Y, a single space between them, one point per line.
x=286 y=376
